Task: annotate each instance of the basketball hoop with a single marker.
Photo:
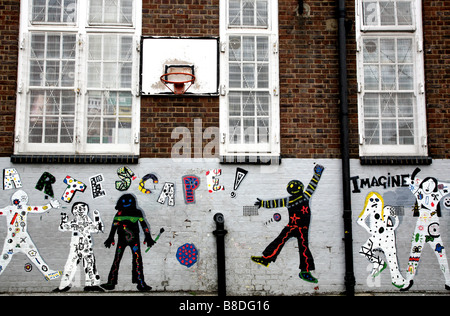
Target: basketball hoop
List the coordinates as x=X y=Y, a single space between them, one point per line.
x=178 y=86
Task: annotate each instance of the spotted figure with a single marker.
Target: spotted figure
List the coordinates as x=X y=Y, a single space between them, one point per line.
x=383 y=222
x=299 y=218
x=428 y=193
x=18 y=240
x=81 y=247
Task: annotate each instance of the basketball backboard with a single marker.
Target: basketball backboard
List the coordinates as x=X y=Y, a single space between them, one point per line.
x=196 y=56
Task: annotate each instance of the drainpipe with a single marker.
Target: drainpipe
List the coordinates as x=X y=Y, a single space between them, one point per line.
x=343 y=87
x=220 y=233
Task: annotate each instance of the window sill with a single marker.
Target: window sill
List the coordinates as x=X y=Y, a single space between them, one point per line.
x=76 y=159
x=252 y=160
x=392 y=160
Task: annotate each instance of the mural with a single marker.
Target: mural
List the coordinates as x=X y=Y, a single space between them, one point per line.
x=126 y=176
x=73 y=186
x=428 y=192
x=142 y=187
x=167 y=193
x=190 y=184
x=126 y=224
x=11 y=179
x=18 y=240
x=81 y=247
x=382 y=223
x=212 y=180
x=240 y=175
x=299 y=218
x=96 y=186
x=45 y=183
x=187 y=255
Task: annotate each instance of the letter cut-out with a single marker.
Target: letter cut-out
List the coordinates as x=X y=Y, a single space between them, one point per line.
x=126 y=175
x=11 y=179
x=73 y=186
x=45 y=183
x=96 y=186
x=212 y=180
x=190 y=184
x=142 y=187
x=168 y=192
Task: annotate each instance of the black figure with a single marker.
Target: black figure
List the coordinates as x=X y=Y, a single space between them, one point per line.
x=126 y=223
x=299 y=217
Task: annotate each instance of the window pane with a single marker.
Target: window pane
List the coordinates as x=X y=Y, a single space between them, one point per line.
x=406 y=132
x=371 y=105
x=248 y=13
x=387 y=13
x=372 y=132
x=53 y=11
x=111 y=12
x=404 y=13
x=371 y=77
x=370 y=53
x=389 y=132
x=405 y=77
x=388 y=105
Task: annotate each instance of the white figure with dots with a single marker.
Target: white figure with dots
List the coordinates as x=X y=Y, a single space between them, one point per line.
x=18 y=240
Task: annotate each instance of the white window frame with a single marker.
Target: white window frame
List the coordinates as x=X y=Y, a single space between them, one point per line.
x=82 y=28
x=270 y=149
x=419 y=148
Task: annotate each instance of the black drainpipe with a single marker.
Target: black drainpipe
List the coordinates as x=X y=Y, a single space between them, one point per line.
x=347 y=215
x=220 y=233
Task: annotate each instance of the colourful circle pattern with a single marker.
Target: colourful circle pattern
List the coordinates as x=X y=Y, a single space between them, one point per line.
x=187 y=255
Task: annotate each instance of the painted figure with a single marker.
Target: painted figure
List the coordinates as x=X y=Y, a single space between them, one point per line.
x=81 y=247
x=382 y=224
x=18 y=239
x=428 y=193
x=299 y=218
x=126 y=224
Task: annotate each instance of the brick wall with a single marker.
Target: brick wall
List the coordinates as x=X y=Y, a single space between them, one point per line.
x=309 y=103
x=9 y=32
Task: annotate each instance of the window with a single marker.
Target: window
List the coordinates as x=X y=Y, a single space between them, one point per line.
x=249 y=102
x=78 y=77
x=391 y=96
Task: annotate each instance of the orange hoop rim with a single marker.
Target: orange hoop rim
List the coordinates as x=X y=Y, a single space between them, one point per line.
x=177 y=73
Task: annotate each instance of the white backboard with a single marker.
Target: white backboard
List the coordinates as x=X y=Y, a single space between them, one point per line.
x=201 y=54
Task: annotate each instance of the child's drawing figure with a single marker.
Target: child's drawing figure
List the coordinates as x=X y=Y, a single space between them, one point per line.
x=428 y=193
x=18 y=239
x=382 y=224
x=81 y=247
x=126 y=223
x=299 y=218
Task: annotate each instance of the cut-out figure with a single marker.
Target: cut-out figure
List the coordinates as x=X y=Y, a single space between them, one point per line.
x=382 y=224
x=126 y=224
x=18 y=239
x=428 y=193
x=81 y=247
x=299 y=218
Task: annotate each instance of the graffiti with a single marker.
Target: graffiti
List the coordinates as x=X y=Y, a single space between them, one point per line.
x=156 y=239
x=383 y=222
x=167 y=193
x=299 y=218
x=126 y=224
x=190 y=184
x=428 y=193
x=240 y=175
x=73 y=186
x=45 y=183
x=187 y=255
x=144 y=179
x=275 y=218
x=126 y=175
x=11 y=179
x=381 y=182
x=18 y=240
x=212 y=180
x=96 y=186
x=81 y=247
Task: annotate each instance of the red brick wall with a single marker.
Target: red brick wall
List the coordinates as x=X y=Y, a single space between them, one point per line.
x=436 y=22
x=309 y=87
x=9 y=33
